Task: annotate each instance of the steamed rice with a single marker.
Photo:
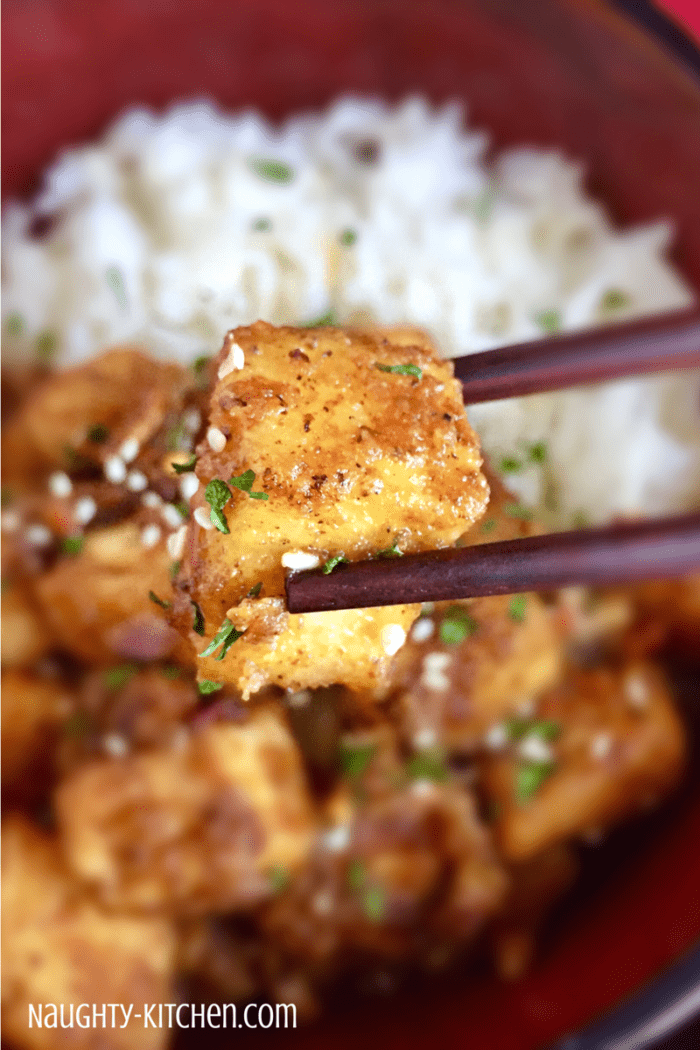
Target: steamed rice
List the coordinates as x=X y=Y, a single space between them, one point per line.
x=174 y=228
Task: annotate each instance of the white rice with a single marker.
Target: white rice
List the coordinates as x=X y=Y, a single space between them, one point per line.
x=170 y=231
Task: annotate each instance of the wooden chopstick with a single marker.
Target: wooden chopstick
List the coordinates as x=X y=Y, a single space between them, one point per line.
x=622 y=553
x=657 y=344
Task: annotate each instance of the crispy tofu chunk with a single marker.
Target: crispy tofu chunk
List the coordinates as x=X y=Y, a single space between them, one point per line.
x=32 y=710
x=24 y=634
x=331 y=452
x=59 y=948
x=603 y=746
x=191 y=830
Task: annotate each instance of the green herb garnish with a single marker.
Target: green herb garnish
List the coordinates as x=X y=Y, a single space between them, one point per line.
x=244 y=482
x=279 y=878
x=549 y=320
x=46 y=346
x=14 y=324
x=400 y=370
x=115 y=279
x=390 y=552
x=98 y=434
x=614 y=299
x=457 y=625
x=355 y=758
x=348 y=238
x=517 y=510
x=217 y=494
x=225 y=637
x=428 y=765
x=529 y=778
x=262 y=225
x=373 y=903
x=185 y=468
x=116 y=677
x=545 y=728
x=159 y=601
x=489 y=525
x=72 y=545
x=206 y=686
x=356 y=874
x=182 y=508
x=178 y=438
x=580 y=520
x=174 y=569
x=516 y=607
x=511 y=465
x=200 y=367
x=326 y=320
x=78 y=725
x=332 y=562
x=537 y=452
x=198 y=625
x=272 y=170
x=171 y=672
x=6 y=496
x=254 y=591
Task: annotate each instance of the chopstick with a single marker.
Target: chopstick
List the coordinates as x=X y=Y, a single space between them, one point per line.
x=621 y=553
x=657 y=344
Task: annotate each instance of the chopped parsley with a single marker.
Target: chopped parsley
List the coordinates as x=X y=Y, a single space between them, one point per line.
x=614 y=299
x=174 y=569
x=217 y=494
x=14 y=324
x=272 y=170
x=326 y=320
x=529 y=778
x=511 y=465
x=489 y=525
x=46 y=346
x=373 y=903
x=400 y=370
x=279 y=878
x=262 y=225
x=116 y=677
x=72 y=545
x=115 y=279
x=545 y=728
x=580 y=520
x=186 y=467
x=329 y=565
x=244 y=483
x=254 y=592
x=348 y=237
x=198 y=625
x=549 y=320
x=182 y=508
x=356 y=875
x=159 y=601
x=77 y=725
x=355 y=758
x=517 y=510
x=225 y=637
x=200 y=367
x=516 y=607
x=171 y=672
x=457 y=625
x=206 y=686
x=537 y=452
x=390 y=552
x=178 y=438
x=483 y=204
x=428 y=765
x=98 y=434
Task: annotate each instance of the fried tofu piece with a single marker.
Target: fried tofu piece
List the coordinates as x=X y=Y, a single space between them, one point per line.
x=32 y=710
x=24 y=634
x=603 y=746
x=347 y=457
x=192 y=829
x=59 y=948
x=97 y=603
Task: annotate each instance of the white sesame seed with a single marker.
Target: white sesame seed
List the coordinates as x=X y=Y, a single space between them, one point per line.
x=337 y=839
x=152 y=500
x=437 y=661
x=424 y=739
x=85 y=509
x=233 y=362
x=497 y=737
x=202 y=518
x=601 y=746
x=433 y=671
x=130 y=449
x=176 y=542
x=115 y=745
x=322 y=903
x=393 y=637
x=299 y=699
x=151 y=535
x=216 y=439
x=136 y=481
x=115 y=470
x=423 y=629
x=422 y=788
x=526 y=708
x=192 y=420
x=534 y=749
x=171 y=516
x=38 y=536
x=10 y=521
x=60 y=485
x=636 y=691
x=300 y=560
x=189 y=484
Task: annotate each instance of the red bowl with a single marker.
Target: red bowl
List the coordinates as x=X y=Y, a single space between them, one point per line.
x=572 y=73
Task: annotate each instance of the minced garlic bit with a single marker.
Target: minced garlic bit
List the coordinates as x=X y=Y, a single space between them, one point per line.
x=636 y=691
x=136 y=481
x=151 y=535
x=216 y=439
x=38 y=536
x=129 y=449
x=423 y=629
x=171 y=515
x=202 y=518
x=152 y=500
x=533 y=748
x=233 y=362
x=433 y=674
x=497 y=737
x=601 y=746
x=115 y=470
x=60 y=485
x=393 y=637
x=189 y=483
x=85 y=510
x=176 y=542
x=297 y=561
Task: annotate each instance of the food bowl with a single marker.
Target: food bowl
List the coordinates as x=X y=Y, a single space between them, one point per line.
x=573 y=74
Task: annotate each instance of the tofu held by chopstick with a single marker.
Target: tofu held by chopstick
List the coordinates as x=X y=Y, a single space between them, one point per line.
x=323 y=445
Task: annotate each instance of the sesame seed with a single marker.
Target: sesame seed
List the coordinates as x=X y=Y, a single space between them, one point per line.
x=171 y=516
x=601 y=746
x=423 y=629
x=233 y=362
x=636 y=691
x=433 y=671
x=85 y=510
x=189 y=484
x=152 y=500
x=192 y=420
x=136 y=481
x=130 y=449
x=115 y=745
x=216 y=439
x=534 y=749
x=202 y=518
x=424 y=739
x=299 y=699
x=497 y=737
x=60 y=485
x=115 y=470
x=526 y=708
x=322 y=903
x=393 y=637
x=437 y=661
x=422 y=788
x=300 y=560
x=10 y=521
x=337 y=839
x=176 y=542
x=38 y=536
x=151 y=535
